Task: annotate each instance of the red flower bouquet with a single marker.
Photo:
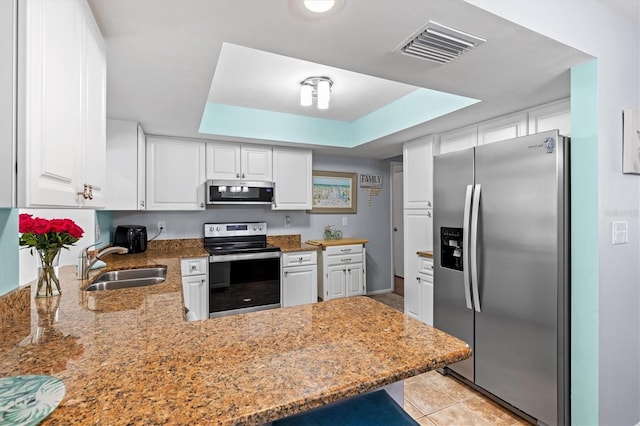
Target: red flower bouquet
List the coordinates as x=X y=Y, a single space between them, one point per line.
x=47 y=236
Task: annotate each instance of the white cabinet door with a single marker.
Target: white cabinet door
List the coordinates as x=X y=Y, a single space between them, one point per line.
x=256 y=163
x=175 y=174
x=229 y=161
x=457 y=140
x=292 y=174
x=50 y=91
x=412 y=292
x=93 y=170
x=426 y=299
x=355 y=279
x=335 y=282
x=418 y=174
x=126 y=150
x=508 y=127
x=223 y=161
x=556 y=115
x=299 y=285
x=196 y=295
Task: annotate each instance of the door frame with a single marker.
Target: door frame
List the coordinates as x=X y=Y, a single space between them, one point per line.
x=392 y=165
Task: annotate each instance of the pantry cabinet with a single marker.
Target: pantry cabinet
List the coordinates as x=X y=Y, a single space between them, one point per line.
x=229 y=161
x=418 y=174
x=62 y=105
x=126 y=162
x=175 y=174
x=299 y=278
x=292 y=175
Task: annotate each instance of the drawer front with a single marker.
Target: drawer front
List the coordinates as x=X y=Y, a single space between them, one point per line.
x=425 y=266
x=193 y=266
x=299 y=258
x=345 y=259
x=339 y=250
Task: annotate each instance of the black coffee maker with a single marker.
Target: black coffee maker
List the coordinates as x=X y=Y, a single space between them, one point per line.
x=132 y=237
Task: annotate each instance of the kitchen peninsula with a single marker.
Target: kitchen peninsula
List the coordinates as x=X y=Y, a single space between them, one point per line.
x=128 y=355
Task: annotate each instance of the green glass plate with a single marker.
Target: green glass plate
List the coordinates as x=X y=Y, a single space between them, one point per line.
x=27 y=400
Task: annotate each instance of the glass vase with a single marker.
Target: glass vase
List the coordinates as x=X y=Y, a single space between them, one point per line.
x=48 y=282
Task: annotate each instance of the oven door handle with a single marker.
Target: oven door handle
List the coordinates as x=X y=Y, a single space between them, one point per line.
x=243 y=256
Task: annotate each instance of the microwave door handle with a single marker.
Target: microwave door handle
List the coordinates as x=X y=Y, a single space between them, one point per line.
x=474 y=247
x=465 y=246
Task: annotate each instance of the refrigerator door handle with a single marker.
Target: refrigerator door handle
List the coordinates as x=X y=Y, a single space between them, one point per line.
x=474 y=246
x=465 y=246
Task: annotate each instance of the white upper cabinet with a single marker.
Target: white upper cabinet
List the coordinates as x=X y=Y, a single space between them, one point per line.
x=458 y=139
x=556 y=115
x=418 y=174
x=61 y=98
x=507 y=127
x=126 y=152
x=245 y=162
x=175 y=174
x=292 y=174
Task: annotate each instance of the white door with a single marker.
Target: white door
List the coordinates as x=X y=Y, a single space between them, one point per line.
x=398 y=223
x=256 y=164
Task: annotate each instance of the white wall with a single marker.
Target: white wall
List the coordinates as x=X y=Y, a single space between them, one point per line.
x=371 y=222
x=614 y=41
x=83 y=218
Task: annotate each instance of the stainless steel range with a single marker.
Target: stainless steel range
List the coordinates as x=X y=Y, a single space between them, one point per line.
x=244 y=271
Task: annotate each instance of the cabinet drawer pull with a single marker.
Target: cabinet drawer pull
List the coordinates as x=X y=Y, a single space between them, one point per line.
x=345 y=260
x=248 y=299
x=345 y=250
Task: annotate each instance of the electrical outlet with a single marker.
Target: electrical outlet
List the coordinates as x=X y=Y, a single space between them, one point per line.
x=162 y=227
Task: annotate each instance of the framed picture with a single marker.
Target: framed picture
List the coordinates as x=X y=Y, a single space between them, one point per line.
x=334 y=192
x=631 y=141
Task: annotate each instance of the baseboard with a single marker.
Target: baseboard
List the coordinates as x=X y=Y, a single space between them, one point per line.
x=371 y=293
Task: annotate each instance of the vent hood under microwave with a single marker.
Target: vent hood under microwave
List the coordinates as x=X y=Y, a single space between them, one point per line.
x=239 y=192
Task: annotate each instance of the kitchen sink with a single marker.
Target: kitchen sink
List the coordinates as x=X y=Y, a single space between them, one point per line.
x=128 y=278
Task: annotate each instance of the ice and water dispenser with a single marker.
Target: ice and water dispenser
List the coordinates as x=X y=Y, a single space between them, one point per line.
x=451 y=248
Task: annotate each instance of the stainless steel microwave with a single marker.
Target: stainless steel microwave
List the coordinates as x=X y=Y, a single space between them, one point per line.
x=239 y=192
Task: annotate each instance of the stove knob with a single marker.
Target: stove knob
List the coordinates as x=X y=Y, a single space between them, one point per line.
x=260 y=227
x=218 y=228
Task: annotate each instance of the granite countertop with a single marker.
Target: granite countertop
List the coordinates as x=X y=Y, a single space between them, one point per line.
x=128 y=356
x=290 y=243
x=428 y=254
x=343 y=242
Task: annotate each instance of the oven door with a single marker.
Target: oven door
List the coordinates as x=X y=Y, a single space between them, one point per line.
x=241 y=283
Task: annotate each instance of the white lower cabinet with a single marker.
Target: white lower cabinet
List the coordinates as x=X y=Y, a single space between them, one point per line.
x=343 y=272
x=425 y=284
x=299 y=278
x=195 y=287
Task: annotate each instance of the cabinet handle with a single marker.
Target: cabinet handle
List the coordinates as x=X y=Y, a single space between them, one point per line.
x=87 y=192
x=141 y=203
x=345 y=250
x=345 y=260
x=238 y=175
x=243 y=176
x=248 y=299
x=417 y=278
x=428 y=203
x=285 y=273
x=202 y=205
x=428 y=214
x=300 y=259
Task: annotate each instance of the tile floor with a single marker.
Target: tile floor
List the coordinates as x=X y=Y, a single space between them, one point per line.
x=433 y=399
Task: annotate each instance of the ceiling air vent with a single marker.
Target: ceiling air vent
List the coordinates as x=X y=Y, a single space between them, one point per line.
x=438 y=43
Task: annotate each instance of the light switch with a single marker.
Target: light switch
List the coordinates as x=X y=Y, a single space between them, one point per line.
x=345 y=221
x=619 y=232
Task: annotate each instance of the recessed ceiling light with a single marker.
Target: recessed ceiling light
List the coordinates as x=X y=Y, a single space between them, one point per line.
x=319 y=6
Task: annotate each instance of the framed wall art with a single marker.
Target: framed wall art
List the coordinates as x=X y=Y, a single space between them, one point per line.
x=334 y=192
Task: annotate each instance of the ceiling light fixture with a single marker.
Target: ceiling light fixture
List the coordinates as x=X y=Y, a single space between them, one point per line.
x=318 y=87
x=319 y=6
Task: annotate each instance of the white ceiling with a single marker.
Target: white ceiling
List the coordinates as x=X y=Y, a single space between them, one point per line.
x=162 y=58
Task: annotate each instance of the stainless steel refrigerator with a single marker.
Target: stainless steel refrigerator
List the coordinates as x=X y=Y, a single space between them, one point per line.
x=501 y=268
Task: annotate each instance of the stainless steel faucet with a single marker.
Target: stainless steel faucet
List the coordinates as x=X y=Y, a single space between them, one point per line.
x=85 y=263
